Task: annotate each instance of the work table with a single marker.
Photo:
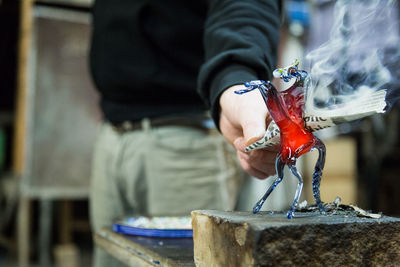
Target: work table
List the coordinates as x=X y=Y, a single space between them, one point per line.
x=146 y=251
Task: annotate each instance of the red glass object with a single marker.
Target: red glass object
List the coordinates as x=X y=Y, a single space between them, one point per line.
x=286 y=109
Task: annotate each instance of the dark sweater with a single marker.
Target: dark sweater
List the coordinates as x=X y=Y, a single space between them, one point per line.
x=148 y=57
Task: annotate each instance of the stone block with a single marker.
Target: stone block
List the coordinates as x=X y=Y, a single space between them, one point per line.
x=223 y=238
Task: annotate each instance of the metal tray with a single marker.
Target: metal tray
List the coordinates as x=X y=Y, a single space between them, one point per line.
x=171 y=227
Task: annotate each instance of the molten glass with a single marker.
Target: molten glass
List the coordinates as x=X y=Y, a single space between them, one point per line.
x=286 y=109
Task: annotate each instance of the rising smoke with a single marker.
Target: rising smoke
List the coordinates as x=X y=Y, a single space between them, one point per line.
x=361 y=56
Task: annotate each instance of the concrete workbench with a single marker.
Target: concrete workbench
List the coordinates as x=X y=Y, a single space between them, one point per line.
x=146 y=251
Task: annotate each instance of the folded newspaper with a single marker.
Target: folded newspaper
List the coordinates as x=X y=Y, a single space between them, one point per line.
x=315 y=120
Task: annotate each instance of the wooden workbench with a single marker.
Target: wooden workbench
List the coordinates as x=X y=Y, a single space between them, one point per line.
x=146 y=251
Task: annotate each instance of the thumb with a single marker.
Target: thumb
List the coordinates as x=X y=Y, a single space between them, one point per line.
x=253 y=130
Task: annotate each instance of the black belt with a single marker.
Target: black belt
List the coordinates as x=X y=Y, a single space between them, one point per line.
x=201 y=123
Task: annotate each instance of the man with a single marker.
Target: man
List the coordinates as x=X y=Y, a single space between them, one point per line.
x=156 y=153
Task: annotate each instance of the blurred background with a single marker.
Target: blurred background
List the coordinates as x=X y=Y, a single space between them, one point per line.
x=46 y=93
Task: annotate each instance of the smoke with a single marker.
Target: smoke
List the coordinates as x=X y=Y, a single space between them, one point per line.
x=361 y=56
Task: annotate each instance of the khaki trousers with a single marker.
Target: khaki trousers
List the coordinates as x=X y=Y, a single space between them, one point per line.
x=168 y=170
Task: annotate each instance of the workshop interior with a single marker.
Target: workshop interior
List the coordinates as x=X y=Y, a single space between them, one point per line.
x=50 y=115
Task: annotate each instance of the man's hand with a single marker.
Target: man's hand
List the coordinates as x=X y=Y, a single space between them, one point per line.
x=243 y=121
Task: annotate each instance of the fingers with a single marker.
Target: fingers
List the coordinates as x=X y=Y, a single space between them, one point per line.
x=263 y=160
x=260 y=171
x=253 y=130
x=250 y=170
x=274 y=149
x=258 y=163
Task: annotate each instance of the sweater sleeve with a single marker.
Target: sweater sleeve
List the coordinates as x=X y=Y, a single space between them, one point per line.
x=240 y=42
